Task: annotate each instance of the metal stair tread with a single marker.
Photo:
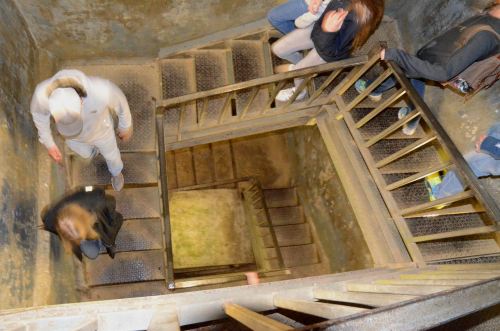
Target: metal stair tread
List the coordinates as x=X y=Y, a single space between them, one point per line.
x=429 y=225
x=137 y=202
x=288 y=235
x=139 y=235
x=450 y=249
x=287 y=215
x=130 y=290
x=137 y=168
x=126 y=267
x=286 y=197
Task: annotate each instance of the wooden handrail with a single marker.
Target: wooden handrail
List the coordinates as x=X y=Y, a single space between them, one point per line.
x=351 y=62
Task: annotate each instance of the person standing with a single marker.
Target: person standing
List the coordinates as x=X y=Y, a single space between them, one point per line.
x=80 y=106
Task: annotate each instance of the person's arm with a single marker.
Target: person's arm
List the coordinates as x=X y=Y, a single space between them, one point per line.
x=119 y=104
x=39 y=109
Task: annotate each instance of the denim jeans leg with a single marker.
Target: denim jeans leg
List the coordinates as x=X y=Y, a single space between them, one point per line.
x=481 y=165
x=283 y=17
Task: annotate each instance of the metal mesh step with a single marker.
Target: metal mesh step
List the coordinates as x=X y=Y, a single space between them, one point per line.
x=281 y=197
x=411 y=195
x=452 y=249
x=287 y=215
x=295 y=256
x=178 y=78
x=417 y=161
x=139 y=235
x=381 y=122
x=472 y=260
x=429 y=225
x=137 y=168
x=137 y=202
x=133 y=290
x=139 y=83
x=126 y=267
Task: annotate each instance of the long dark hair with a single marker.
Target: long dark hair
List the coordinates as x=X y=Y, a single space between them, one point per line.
x=369 y=13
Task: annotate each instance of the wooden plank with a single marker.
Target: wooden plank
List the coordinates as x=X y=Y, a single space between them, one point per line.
x=368 y=205
x=355 y=74
x=252 y=319
x=457 y=233
x=325 y=310
x=475 y=266
x=368 y=299
x=299 y=89
x=323 y=86
x=294 y=116
x=164 y=319
x=469 y=275
x=454 y=210
x=397 y=289
x=445 y=282
x=253 y=94
x=437 y=203
x=405 y=151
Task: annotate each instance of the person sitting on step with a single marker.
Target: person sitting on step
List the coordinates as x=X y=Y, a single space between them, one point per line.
x=344 y=26
x=484 y=161
x=443 y=58
x=284 y=17
x=80 y=106
x=85 y=222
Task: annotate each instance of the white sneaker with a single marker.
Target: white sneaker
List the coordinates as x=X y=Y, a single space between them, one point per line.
x=117 y=182
x=286 y=94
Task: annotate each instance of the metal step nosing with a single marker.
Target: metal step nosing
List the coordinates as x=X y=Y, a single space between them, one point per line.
x=418 y=176
x=458 y=233
x=438 y=202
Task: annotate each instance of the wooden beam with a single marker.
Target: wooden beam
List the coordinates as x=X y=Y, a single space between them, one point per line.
x=253 y=320
x=405 y=151
x=445 y=282
x=270 y=122
x=468 y=275
x=319 y=309
x=457 y=233
x=392 y=128
x=397 y=289
x=439 y=202
x=380 y=108
x=368 y=90
x=418 y=176
x=368 y=299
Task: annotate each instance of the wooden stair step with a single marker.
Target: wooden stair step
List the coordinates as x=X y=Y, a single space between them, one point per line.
x=397 y=289
x=288 y=235
x=203 y=164
x=184 y=165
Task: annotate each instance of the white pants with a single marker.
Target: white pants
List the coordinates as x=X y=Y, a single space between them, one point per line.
x=289 y=46
x=106 y=145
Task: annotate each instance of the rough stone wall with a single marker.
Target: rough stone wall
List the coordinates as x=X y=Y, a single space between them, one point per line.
x=325 y=202
x=419 y=22
x=18 y=166
x=120 y=28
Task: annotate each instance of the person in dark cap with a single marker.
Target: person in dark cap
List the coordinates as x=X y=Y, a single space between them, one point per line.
x=85 y=222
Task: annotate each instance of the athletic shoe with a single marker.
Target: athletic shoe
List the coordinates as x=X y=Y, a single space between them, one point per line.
x=286 y=94
x=361 y=85
x=409 y=128
x=431 y=183
x=117 y=182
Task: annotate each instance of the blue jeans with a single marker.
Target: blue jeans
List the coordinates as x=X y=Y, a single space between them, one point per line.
x=481 y=165
x=283 y=17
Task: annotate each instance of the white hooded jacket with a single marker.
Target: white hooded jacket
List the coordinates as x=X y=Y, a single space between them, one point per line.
x=101 y=96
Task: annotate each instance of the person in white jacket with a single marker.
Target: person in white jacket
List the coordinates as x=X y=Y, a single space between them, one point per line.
x=80 y=106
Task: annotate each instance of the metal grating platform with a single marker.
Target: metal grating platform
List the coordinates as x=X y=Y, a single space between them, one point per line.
x=472 y=260
x=452 y=249
x=140 y=83
x=139 y=235
x=126 y=267
x=137 y=168
x=428 y=225
x=137 y=202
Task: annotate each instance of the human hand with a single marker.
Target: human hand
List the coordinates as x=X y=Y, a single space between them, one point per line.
x=333 y=20
x=55 y=154
x=314 y=6
x=382 y=54
x=125 y=134
x=479 y=142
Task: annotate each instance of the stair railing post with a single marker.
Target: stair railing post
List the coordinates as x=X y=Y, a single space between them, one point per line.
x=160 y=133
